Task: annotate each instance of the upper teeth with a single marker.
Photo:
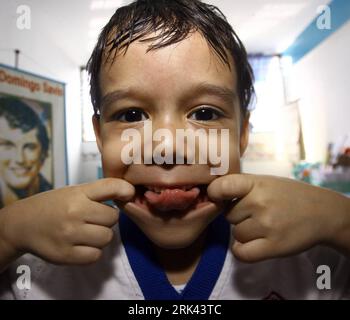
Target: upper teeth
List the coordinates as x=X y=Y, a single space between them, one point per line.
x=161 y=189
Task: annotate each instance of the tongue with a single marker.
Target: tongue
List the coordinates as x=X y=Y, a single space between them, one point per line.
x=172 y=199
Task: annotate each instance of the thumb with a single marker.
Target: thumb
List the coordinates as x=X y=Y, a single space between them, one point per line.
x=230 y=186
x=109 y=189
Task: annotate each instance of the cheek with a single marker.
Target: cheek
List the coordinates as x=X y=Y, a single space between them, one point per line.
x=32 y=155
x=5 y=156
x=227 y=148
x=234 y=154
x=111 y=158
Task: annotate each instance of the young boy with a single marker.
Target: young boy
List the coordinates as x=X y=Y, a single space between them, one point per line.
x=182 y=233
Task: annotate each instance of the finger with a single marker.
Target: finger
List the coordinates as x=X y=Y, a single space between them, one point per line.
x=230 y=187
x=237 y=212
x=93 y=236
x=109 y=189
x=102 y=215
x=81 y=255
x=253 y=251
x=248 y=230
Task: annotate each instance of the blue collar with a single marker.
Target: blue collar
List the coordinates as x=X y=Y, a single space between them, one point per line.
x=152 y=278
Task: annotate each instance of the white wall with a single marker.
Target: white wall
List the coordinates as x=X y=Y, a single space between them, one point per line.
x=324 y=89
x=91 y=160
x=40 y=55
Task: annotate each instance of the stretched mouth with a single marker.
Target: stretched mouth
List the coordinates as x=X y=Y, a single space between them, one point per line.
x=171 y=198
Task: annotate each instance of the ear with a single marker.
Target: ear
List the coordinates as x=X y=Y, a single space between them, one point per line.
x=244 y=139
x=97 y=130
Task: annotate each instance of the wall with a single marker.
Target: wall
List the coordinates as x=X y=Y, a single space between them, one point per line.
x=323 y=86
x=40 y=55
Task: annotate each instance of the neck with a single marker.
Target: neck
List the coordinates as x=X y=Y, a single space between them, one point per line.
x=179 y=264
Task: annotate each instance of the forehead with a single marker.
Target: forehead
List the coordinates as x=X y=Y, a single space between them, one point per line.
x=16 y=135
x=170 y=69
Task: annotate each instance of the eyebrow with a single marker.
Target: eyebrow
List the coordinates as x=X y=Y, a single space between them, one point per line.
x=204 y=88
x=225 y=94
x=117 y=95
x=4 y=140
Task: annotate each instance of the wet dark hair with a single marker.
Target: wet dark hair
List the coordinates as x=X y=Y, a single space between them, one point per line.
x=19 y=115
x=174 y=19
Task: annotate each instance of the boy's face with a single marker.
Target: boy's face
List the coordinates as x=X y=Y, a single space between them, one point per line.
x=168 y=86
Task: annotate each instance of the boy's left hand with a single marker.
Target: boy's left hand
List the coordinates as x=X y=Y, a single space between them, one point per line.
x=275 y=217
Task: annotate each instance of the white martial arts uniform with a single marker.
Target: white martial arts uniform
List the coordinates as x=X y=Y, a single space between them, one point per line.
x=112 y=277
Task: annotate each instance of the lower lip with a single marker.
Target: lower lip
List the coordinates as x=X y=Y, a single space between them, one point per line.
x=201 y=203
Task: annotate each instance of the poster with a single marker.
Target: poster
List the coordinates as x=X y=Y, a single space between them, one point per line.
x=32 y=135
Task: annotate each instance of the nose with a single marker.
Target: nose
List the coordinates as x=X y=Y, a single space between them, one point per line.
x=19 y=156
x=173 y=141
x=162 y=140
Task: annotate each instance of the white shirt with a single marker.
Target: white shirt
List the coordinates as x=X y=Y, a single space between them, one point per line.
x=112 y=277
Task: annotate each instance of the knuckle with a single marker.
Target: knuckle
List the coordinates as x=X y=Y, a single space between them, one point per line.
x=261 y=202
x=241 y=254
x=268 y=222
x=108 y=236
x=244 y=255
x=72 y=210
x=67 y=231
x=260 y=183
x=75 y=211
x=62 y=256
x=114 y=217
x=94 y=255
x=111 y=218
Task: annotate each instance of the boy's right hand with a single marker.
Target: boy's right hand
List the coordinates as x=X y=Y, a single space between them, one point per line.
x=64 y=226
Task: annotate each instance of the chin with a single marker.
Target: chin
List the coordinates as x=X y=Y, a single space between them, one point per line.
x=18 y=182
x=20 y=185
x=174 y=236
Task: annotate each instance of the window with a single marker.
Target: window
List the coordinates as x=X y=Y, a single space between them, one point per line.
x=276 y=132
x=87 y=108
x=269 y=93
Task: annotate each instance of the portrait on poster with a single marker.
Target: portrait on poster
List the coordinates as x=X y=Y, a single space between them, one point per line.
x=29 y=107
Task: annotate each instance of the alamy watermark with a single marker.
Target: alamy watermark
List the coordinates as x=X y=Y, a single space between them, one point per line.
x=24 y=281
x=323 y=281
x=24 y=21
x=197 y=146
x=324 y=20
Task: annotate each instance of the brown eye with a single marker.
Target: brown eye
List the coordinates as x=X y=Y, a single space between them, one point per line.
x=132 y=115
x=205 y=114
